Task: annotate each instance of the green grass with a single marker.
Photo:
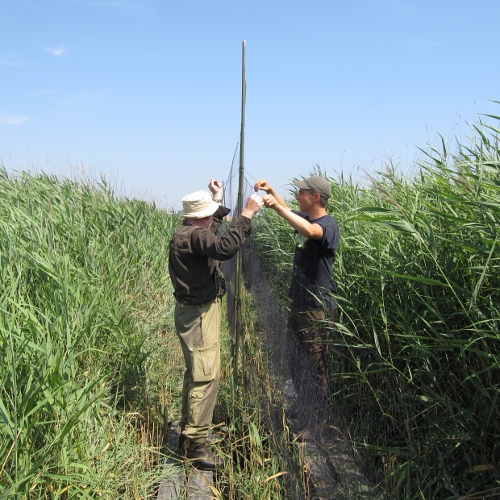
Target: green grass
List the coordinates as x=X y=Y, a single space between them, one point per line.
x=257 y=450
x=83 y=281
x=91 y=367
x=417 y=348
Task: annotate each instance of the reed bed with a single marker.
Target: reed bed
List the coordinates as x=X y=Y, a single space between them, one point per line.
x=91 y=369
x=415 y=369
x=255 y=456
x=84 y=285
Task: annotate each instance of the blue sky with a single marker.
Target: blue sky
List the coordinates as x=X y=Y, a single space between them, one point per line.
x=148 y=92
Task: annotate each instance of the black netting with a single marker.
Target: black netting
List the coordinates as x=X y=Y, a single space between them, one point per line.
x=310 y=412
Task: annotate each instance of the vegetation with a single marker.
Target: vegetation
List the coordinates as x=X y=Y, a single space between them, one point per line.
x=417 y=347
x=83 y=278
x=256 y=463
x=91 y=368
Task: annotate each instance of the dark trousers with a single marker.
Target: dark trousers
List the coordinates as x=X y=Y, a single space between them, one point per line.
x=313 y=330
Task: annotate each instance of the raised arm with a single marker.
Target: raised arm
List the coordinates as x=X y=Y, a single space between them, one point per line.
x=263 y=185
x=301 y=225
x=206 y=243
x=252 y=206
x=216 y=189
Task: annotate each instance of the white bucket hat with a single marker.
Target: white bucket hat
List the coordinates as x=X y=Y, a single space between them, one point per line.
x=198 y=205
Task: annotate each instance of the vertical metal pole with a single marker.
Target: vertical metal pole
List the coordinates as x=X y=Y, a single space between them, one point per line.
x=242 y=129
x=237 y=318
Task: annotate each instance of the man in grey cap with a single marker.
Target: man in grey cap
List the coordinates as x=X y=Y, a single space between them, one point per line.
x=312 y=288
x=195 y=252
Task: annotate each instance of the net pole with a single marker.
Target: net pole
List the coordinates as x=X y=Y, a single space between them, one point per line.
x=237 y=317
x=242 y=129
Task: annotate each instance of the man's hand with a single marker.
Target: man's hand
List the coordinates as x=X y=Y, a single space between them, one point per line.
x=216 y=188
x=270 y=201
x=253 y=205
x=262 y=185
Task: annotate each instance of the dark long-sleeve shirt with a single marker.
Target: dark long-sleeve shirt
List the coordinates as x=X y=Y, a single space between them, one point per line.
x=194 y=252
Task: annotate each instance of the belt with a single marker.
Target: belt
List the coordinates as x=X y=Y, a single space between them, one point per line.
x=201 y=304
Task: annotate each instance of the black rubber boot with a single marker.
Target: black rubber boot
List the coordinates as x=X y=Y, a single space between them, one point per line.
x=201 y=457
x=182 y=445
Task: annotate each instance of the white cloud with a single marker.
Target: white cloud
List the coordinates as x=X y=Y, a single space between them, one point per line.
x=13 y=120
x=57 y=51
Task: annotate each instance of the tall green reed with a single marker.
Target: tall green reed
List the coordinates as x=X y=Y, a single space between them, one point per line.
x=416 y=351
x=84 y=282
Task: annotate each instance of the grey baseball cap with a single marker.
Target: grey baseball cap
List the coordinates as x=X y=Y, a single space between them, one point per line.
x=317 y=184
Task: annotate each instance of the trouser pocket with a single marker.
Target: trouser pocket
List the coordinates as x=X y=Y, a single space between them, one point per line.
x=205 y=362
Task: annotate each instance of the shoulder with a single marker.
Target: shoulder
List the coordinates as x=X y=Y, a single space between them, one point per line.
x=331 y=231
x=325 y=221
x=304 y=215
x=187 y=229
x=188 y=232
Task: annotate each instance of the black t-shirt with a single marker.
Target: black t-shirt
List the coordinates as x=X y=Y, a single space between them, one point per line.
x=312 y=285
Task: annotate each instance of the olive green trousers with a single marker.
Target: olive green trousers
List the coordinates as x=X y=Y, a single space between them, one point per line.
x=198 y=328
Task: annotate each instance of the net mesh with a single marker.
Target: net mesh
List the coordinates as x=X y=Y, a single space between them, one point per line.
x=310 y=415
x=414 y=355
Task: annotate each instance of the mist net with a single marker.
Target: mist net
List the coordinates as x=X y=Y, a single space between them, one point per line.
x=311 y=417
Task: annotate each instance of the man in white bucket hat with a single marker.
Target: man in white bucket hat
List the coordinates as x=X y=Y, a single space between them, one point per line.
x=195 y=254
